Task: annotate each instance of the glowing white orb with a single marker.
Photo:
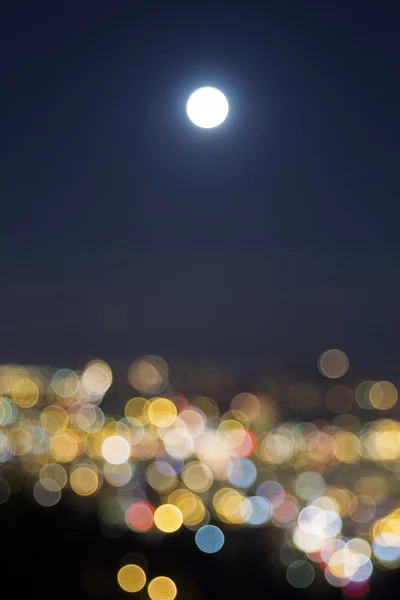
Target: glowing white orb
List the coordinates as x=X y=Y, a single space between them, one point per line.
x=207 y=107
x=115 y=450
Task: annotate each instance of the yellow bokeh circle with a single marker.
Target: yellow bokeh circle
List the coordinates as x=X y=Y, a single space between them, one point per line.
x=162 y=588
x=162 y=412
x=84 y=481
x=383 y=395
x=168 y=518
x=131 y=578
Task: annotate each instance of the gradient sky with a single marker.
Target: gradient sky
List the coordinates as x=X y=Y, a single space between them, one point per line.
x=124 y=229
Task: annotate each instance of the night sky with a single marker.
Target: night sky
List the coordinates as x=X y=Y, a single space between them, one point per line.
x=125 y=229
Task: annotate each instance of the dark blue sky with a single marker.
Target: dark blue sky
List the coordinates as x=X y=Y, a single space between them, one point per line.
x=276 y=233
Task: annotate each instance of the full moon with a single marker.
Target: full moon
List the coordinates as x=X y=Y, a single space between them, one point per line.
x=207 y=107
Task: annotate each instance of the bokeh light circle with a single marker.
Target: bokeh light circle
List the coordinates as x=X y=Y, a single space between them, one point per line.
x=115 y=450
x=131 y=578
x=209 y=539
x=333 y=363
x=162 y=588
x=168 y=518
x=300 y=574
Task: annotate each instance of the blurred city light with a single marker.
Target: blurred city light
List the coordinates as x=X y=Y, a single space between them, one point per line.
x=171 y=462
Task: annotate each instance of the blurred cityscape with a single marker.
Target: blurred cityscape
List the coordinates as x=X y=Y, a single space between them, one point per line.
x=157 y=451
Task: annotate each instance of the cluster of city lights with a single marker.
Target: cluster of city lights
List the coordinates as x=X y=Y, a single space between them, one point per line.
x=172 y=462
